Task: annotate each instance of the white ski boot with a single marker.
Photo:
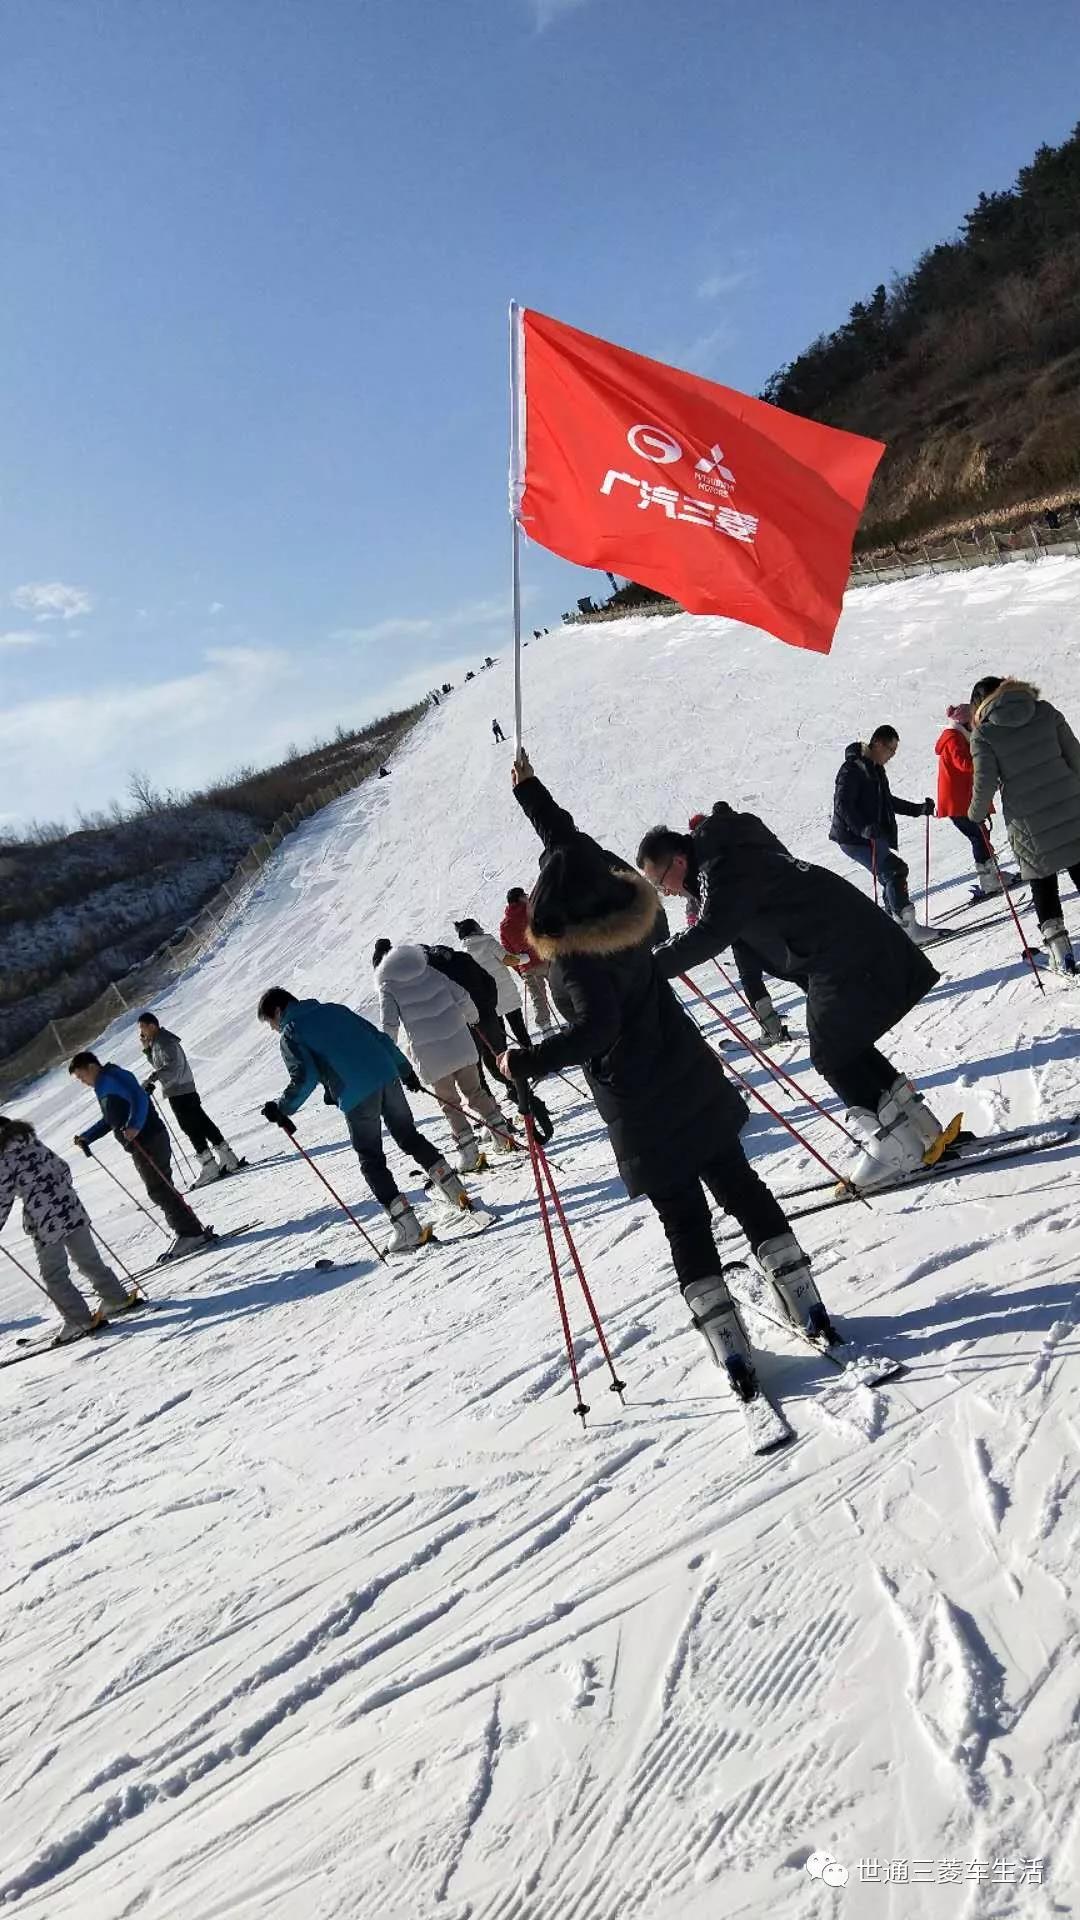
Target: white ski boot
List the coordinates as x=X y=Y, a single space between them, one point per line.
x=787 y=1268
x=716 y=1317
x=1058 y=946
x=773 y=1030
x=405 y=1236
x=988 y=878
x=468 y=1153
x=898 y=1139
x=228 y=1161
x=914 y=928
x=210 y=1171
x=446 y=1183
x=504 y=1139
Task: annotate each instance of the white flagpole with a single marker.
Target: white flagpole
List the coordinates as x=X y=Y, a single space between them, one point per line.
x=517 y=482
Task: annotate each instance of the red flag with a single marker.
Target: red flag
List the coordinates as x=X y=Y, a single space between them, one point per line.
x=724 y=502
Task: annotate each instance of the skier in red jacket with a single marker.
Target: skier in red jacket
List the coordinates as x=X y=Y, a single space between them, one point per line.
x=513 y=932
x=955 y=776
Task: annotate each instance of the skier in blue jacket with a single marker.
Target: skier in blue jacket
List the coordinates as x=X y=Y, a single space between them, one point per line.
x=361 y=1071
x=127 y=1112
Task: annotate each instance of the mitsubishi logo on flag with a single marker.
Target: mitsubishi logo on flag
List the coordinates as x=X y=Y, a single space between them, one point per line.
x=728 y=504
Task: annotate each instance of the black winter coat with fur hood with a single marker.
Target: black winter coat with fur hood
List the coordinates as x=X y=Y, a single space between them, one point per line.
x=656 y=1082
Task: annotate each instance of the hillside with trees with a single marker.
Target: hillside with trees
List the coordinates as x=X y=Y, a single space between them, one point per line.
x=968 y=366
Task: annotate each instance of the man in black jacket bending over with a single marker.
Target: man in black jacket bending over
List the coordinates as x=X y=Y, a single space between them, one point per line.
x=864 y=822
x=860 y=973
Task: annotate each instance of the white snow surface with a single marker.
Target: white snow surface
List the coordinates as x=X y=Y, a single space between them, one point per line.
x=316 y=1600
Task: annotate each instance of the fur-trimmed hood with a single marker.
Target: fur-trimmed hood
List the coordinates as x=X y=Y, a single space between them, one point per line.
x=1010 y=705
x=629 y=926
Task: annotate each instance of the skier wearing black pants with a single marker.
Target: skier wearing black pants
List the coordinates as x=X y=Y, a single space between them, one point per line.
x=672 y=1116
x=177 y=1082
x=861 y=972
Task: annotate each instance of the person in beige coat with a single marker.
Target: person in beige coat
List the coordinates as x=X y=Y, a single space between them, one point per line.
x=436 y=1014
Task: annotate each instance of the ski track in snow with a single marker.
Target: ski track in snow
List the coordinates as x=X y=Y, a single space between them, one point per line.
x=316 y=1601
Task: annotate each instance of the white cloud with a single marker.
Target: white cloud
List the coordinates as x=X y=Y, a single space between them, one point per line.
x=715 y=285
x=216 y=606
x=546 y=12
x=472 y=613
x=703 y=353
x=23 y=638
x=52 y=600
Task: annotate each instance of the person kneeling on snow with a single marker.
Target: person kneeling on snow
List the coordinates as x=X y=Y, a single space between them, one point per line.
x=58 y=1225
x=126 y=1111
x=672 y=1116
x=859 y=972
x=361 y=1071
x=437 y=1014
x=177 y=1082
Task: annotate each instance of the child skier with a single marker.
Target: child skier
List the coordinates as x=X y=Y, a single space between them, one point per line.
x=58 y=1225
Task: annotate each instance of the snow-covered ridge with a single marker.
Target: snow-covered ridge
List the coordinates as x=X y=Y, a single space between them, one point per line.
x=317 y=1603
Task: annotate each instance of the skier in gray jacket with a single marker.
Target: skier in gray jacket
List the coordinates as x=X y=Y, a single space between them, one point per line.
x=58 y=1226
x=1024 y=746
x=174 y=1077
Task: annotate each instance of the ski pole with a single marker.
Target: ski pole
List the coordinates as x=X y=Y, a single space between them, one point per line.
x=181 y=1154
x=779 y=1073
x=100 y=1237
x=1028 y=955
x=290 y=1131
x=873 y=868
x=848 y=1185
x=126 y=1191
x=617 y=1386
x=151 y=1162
x=926 y=878
x=16 y=1262
x=729 y=982
x=482 y=1037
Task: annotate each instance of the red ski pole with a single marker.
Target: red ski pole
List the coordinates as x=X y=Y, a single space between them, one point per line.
x=779 y=1073
x=290 y=1131
x=926 y=883
x=1028 y=955
x=770 y=1109
x=617 y=1386
x=580 y=1407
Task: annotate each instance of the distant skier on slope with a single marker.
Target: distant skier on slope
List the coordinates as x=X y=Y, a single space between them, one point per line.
x=1025 y=747
x=673 y=1118
x=859 y=972
x=126 y=1111
x=497 y=731
x=864 y=822
x=177 y=1082
x=437 y=1014
x=362 y=1072
x=58 y=1226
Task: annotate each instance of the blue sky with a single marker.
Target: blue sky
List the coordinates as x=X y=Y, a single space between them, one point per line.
x=258 y=255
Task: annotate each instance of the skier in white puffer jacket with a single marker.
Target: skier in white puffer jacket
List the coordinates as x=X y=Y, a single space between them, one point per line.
x=436 y=1014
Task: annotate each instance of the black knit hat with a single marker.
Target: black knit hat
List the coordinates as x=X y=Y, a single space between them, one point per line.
x=576 y=886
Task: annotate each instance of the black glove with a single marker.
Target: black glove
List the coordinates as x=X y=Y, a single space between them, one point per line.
x=149 y=1085
x=273 y=1112
x=410 y=1080
x=929 y=808
x=83 y=1145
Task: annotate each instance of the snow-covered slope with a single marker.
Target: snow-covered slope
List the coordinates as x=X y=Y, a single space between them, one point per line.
x=316 y=1602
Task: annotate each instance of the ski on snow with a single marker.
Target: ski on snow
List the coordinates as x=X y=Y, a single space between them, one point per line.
x=767 y=1427
x=965 y=1160
x=966 y=1150
x=445 y=1229
x=212 y=1241
x=857 y=1364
